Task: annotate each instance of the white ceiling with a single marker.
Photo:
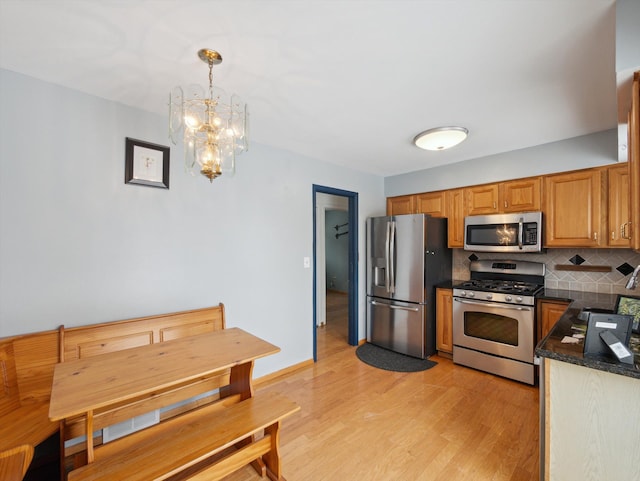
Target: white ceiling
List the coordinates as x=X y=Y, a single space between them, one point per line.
x=350 y=82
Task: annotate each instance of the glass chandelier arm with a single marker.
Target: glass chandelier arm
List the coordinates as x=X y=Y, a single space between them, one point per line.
x=176 y=113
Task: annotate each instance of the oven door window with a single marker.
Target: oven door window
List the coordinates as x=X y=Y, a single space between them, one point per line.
x=491 y=327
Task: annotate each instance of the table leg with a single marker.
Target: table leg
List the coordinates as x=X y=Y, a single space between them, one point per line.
x=89 y=433
x=240 y=381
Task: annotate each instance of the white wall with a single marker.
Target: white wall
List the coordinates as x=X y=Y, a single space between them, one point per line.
x=337 y=250
x=577 y=153
x=78 y=246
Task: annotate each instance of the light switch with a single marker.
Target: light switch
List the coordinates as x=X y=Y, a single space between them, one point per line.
x=306 y=262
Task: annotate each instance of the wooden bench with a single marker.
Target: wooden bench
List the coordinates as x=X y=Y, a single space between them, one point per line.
x=14 y=462
x=187 y=443
x=96 y=339
x=26 y=372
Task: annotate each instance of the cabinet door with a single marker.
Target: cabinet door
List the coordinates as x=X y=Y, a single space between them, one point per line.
x=404 y=204
x=431 y=203
x=456 y=213
x=634 y=163
x=444 y=321
x=619 y=220
x=520 y=195
x=482 y=199
x=548 y=313
x=573 y=209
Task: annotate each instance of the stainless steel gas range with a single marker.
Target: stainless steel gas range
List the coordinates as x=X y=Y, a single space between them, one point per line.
x=494 y=318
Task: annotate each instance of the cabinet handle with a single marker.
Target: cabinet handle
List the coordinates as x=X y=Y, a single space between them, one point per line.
x=613 y=235
x=623 y=231
x=595 y=236
x=494 y=205
x=506 y=204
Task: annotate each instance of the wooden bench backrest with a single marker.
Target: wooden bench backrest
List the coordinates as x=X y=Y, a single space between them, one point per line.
x=9 y=395
x=36 y=356
x=26 y=369
x=93 y=340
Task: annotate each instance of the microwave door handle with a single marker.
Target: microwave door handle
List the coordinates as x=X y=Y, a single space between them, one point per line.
x=520 y=233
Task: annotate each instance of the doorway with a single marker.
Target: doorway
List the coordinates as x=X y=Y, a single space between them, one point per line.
x=329 y=199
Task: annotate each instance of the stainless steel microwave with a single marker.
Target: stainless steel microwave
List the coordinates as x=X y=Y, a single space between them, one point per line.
x=520 y=232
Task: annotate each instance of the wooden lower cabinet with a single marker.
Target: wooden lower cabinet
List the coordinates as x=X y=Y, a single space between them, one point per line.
x=547 y=314
x=444 y=320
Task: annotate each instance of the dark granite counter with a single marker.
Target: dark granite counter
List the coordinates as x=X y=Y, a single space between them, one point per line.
x=552 y=347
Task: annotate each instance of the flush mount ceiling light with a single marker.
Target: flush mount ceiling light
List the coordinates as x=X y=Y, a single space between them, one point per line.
x=440 y=138
x=214 y=124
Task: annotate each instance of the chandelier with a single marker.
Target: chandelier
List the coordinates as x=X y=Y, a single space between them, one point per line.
x=214 y=124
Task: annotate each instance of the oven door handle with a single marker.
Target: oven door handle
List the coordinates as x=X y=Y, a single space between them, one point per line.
x=391 y=306
x=492 y=305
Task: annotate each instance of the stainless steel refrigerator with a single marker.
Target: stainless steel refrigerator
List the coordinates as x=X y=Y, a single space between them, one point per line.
x=407 y=256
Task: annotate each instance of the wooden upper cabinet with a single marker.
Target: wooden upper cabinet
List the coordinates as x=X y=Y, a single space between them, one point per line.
x=482 y=199
x=455 y=214
x=618 y=219
x=573 y=209
x=403 y=204
x=634 y=162
x=522 y=195
x=432 y=203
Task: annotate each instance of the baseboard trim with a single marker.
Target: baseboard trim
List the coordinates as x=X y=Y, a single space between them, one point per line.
x=282 y=372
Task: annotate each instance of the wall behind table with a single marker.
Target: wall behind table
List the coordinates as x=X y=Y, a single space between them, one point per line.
x=79 y=246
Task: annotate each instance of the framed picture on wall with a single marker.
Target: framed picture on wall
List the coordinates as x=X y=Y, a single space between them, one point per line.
x=146 y=164
x=629 y=305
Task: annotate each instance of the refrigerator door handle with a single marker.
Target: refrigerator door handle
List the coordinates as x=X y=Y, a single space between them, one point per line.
x=391 y=306
x=387 y=240
x=392 y=250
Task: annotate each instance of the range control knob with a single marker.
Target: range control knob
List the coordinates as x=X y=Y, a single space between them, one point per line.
x=463 y=293
x=518 y=299
x=508 y=298
x=472 y=294
x=489 y=296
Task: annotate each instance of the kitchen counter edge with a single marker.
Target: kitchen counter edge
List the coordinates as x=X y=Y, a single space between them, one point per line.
x=551 y=347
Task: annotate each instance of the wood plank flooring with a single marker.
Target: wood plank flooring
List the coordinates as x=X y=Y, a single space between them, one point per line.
x=361 y=423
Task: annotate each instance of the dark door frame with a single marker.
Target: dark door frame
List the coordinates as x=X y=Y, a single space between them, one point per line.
x=353 y=262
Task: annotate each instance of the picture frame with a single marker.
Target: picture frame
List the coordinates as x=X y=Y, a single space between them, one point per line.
x=629 y=305
x=146 y=164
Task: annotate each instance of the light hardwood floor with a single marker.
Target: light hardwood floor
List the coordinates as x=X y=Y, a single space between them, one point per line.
x=361 y=423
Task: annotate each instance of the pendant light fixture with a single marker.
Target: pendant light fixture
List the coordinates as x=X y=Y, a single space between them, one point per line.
x=213 y=123
x=440 y=138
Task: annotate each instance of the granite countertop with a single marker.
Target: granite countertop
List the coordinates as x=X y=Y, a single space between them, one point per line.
x=551 y=346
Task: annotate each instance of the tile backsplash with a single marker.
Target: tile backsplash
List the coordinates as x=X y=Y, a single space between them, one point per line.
x=620 y=261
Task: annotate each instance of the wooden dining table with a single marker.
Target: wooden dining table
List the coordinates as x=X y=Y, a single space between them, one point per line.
x=90 y=385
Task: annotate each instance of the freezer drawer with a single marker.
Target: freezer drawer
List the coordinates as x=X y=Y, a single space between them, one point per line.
x=398 y=326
